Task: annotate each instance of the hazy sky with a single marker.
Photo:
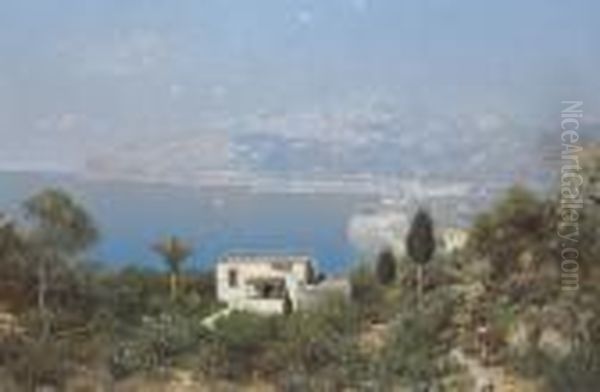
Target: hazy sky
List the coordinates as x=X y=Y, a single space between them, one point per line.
x=80 y=76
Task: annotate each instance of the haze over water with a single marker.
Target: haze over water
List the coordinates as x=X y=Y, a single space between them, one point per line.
x=215 y=220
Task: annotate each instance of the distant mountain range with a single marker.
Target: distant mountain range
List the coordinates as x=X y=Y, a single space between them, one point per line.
x=485 y=148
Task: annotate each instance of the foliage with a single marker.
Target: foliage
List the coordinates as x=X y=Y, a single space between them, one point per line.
x=300 y=349
x=125 y=319
x=386 y=267
x=419 y=341
x=420 y=245
x=156 y=342
x=245 y=331
x=579 y=369
x=519 y=223
x=97 y=317
x=322 y=343
x=367 y=294
x=60 y=222
x=590 y=165
x=420 y=242
x=578 y=372
x=174 y=252
x=518 y=236
x=15 y=267
x=132 y=293
x=60 y=229
x=243 y=341
x=32 y=364
x=310 y=336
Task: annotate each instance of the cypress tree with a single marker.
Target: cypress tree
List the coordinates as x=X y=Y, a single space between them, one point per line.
x=386 y=267
x=420 y=245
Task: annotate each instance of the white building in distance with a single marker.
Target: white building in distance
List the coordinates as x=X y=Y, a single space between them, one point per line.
x=264 y=282
x=453 y=240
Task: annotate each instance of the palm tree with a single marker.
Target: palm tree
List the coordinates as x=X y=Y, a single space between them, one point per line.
x=420 y=245
x=59 y=230
x=174 y=252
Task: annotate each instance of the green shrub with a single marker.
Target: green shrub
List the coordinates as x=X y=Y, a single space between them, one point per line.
x=419 y=341
x=156 y=343
x=244 y=339
x=367 y=294
x=386 y=267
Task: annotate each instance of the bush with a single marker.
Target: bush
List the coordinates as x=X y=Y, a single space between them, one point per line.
x=367 y=294
x=386 y=267
x=35 y=364
x=156 y=343
x=579 y=372
x=419 y=341
x=323 y=343
x=243 y=340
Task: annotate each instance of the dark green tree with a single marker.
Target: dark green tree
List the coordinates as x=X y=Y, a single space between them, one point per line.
x=386 y=267
x=420 y=245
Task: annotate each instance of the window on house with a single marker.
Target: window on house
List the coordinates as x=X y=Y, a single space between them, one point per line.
x=233 y=278
x=281 y=266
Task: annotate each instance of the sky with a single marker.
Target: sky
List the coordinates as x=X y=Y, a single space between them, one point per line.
x=82 y=77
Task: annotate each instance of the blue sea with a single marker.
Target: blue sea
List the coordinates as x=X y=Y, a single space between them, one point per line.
x=132 y=216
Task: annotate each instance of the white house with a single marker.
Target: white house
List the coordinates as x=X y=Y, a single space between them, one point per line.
x=260 y=282
x=263 y=282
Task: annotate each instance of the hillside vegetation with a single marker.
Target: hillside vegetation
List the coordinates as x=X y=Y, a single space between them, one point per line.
x=495 y=313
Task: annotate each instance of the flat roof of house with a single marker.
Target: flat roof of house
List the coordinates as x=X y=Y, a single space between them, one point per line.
x=265 y=257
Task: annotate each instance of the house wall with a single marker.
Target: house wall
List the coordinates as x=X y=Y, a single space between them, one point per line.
x=259 y=305
x=249 y=269
x=311 y=296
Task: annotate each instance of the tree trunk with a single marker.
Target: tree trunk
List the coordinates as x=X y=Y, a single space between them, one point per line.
x=173 y=285
x=420 y=286
x=41 y=298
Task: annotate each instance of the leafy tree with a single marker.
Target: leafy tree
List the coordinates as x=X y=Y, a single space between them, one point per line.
x=420 y=245
x=386 y=267
x=174 y=252
x=10 y=240
x=60 y=230
x=14 y=269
